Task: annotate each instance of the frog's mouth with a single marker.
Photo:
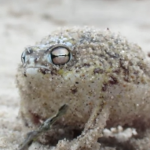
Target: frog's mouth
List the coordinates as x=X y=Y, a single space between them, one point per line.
x=33 y=70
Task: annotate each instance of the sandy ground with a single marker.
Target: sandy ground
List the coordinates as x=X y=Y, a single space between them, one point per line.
x=23 y=22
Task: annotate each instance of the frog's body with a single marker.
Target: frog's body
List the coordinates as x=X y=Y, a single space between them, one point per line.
x=104 y=69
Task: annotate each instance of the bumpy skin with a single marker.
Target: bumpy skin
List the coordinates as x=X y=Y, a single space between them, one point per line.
x=104 y=70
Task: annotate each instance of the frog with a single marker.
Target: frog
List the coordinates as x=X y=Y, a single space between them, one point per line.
x=102 y=78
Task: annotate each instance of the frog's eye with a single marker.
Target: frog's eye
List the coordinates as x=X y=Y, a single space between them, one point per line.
x=60 y=55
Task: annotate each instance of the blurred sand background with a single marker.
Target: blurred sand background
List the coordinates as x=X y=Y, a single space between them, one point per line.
x=24 y=22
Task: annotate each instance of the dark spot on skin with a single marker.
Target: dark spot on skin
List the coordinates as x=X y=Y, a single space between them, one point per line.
x=126 y=78
x=125 y=69
x=77 y=71
x=86 y=65
x=136 y=72
x=98 y=71
x=130 y=63
x=36 y=60
x=77 y=82
x=44 y=71
x=141 y=65
x=112 y=55
x=53 y=72
x=101 y=97
x=74 y=90
x=113 y=80
x=117 y=71
x=122 y=65
x=35 y=118
x=104 y=87
x=24 y=74
x=45 y=104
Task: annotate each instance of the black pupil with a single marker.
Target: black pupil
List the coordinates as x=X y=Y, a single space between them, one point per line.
x=53 y=56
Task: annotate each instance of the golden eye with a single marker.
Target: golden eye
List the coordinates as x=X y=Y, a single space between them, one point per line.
x=60 y=55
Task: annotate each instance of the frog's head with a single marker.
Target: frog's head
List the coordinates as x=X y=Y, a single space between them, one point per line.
x=62 y=54
x=43 y=57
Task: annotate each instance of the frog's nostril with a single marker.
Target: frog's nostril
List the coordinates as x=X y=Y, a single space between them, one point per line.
x=36 y=59
x=23 y=57
x=26 y=52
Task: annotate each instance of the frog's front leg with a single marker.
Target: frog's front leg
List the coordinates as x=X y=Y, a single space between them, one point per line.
x=92 y=131
x=96 y=113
